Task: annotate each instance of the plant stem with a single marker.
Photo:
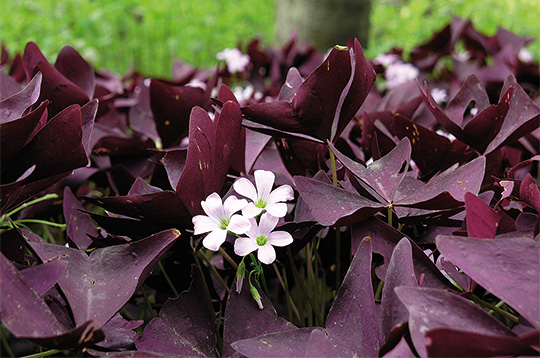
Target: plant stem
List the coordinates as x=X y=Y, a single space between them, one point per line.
x=43 y=354
x=214 y=272
x=43 y=222
x=503 y=313
x=302 y=285
x=290 y=302
x=5 y=344
x=147 y=300
x=338 y=233
x=228 y=258
x=175 y=292
x=390 y=206
x=31 y=202
x=378 y=292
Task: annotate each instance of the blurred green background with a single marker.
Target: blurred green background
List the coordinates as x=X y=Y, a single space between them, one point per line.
x=149 y=35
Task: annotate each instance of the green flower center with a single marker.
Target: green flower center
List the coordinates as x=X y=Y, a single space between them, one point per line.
x=261 y=240
x=223 y=223
x=260 y=203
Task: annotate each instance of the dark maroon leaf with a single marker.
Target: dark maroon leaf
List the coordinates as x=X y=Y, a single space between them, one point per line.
x=8 y=86
x=244 y=319
x=15 y=106
x=507 y=267
x=171 y=107
x=42 y=277
x=529 y=192
x=352 y=321
x=447 y=342
x=333 y=206
x=522 y=117
x=15 y=134
x=210 y=154
x=119 y=333
x=482 y=220
x=57 y=148
x=97 y=286
x=434 y=308
x=71 y=64
x=400 y=272
x=78 y=223
x=24 y=313
x=383 y=176
x=290 y=344
x=163 y=207
x=185 y=326
x=55 y=86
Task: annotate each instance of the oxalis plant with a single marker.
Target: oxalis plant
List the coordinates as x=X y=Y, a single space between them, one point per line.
x=284 y=204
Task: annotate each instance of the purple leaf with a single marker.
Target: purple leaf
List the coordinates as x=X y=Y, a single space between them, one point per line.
x=55 y=149
x=352 y=322
x=447 y=342
x=24 y=313
x=119 y=333
x=88 y=115
x=433 y=308
x=71 y=64
x=400 y=272
x=42 y=277
x=244 y=319
x=401 y=350
x=333 y=206
x=97 y=286
x=293 y=81
x=290 y=344
x=185 y=325
x=529 y=192
x=78 y=223
x=320 y=346
x=482 y=220
x=55 y=86
x=508 y=268
x=210 y=154
x=383 y=175
x=15 y=106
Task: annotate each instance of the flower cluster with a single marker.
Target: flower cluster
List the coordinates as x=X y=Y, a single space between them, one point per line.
x=258 y=220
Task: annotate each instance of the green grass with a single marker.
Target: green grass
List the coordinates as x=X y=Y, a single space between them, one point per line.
x=148 y=35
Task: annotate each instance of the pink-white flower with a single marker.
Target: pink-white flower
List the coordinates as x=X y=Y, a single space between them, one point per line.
x=236 y=60
x=260 y=237
x=263 y=197
x=221 y=218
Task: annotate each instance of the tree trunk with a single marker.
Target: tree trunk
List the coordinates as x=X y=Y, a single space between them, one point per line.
x=323 y=23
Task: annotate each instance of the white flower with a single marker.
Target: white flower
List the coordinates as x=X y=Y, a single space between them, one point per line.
x=440 y=95
x=195 y=82
x=398 y=73
x=386 y=59
x=263 y=198
x=220 y=219
x=236 y=60
x=525 y=55
x=262 y=238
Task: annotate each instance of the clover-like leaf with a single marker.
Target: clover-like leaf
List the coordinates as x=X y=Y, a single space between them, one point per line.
x=508 y=267
x=97 y=286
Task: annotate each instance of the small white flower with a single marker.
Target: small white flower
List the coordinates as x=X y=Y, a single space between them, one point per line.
x=263 y=239
x=220 y=219
x=398 y=73
x=386 y=59
x=263 y=197
x=195 y=82
x=525 y=56
x=474 y=111
x=236 y=60
x=440 y=95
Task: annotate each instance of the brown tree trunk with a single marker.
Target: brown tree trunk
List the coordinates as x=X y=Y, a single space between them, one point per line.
x=323 y=23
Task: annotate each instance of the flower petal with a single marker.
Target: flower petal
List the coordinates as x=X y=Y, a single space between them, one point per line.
x=282 y=193
x=213 y=207
x=213 y=240
x=278 y=210
x=246 y=188
x=264 y=179
x=203 y=223
x=239 y=224
x=266 y=254
x=267 y=224
x=250 y=211
x=232 y=204
x=244 y=245
x=280 y=238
